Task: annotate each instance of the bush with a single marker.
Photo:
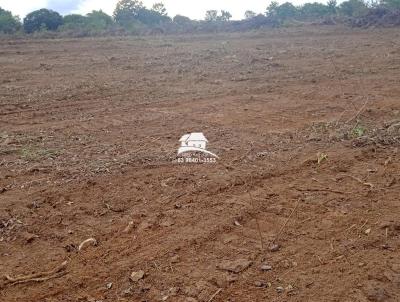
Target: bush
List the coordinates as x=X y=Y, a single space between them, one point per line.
x=182 y=20
x=353 y=8
x=314 y=11
x=98 y=20
x=74 y=21
x=42 y=19
x=9 y=24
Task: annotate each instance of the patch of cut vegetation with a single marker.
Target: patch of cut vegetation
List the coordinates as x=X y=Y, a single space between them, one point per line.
x=33 y=153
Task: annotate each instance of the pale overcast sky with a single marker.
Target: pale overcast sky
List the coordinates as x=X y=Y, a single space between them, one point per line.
x=194 y=9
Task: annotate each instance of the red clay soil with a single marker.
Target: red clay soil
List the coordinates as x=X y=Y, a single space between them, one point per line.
x=302 y=204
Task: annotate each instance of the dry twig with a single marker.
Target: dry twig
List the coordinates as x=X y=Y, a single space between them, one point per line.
x=286 y=222
x=359 y=180
x=39 y=277
x=90 y=240
x=258 y=224
x=215 y=294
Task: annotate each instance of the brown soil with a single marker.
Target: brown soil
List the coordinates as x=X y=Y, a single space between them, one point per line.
x=89 y=131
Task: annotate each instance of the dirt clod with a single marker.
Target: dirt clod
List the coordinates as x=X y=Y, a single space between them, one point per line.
x=234 y=266
x=136 y=276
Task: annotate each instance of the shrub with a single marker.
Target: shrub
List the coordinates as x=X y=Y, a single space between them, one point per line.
x=353 y=8
x=314 y=10
x=98 y=20
x=182 y=20
x=74 y=21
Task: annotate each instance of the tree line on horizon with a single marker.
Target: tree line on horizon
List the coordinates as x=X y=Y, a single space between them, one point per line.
x=131 y=16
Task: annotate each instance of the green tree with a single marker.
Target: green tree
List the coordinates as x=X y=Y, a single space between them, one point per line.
x=74 y=19
x=151 y=17
x=8 y=23
x=390 y=4
x=249 y=14
x=127 y=11
x=353 y=8
x=74 y=22
x=282 y=12
x=211 y=16
x=332 y=6
x=314 y=10
x=182 y=20
x=42 y=19
x=272 y=8
x=99 y=20
x=159 y=8
x=225 y=16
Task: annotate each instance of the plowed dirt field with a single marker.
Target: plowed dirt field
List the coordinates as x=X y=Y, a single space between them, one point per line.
x=303 y=203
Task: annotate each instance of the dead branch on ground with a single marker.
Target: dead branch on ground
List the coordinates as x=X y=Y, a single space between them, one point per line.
x=39 y=277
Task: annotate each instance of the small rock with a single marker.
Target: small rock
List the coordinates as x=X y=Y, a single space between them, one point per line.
x=289 y=288
x=109 y=285
x=266 y=267
x=136 y=276
x=235 y=266
x=280 y=289
x=367 y=231
x=274 y=248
